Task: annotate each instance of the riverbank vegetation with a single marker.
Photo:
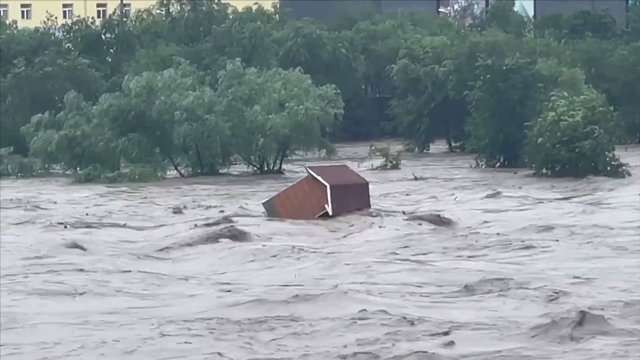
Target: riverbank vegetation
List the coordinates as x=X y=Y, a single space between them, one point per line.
x=194 y=86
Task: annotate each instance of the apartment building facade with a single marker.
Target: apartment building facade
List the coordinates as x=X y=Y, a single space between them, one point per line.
x=31 y=13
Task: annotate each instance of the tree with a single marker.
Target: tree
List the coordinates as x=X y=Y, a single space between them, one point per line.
x=247 y=35
x=423 y=78
x=159 y=116
x=155 y=105
x=380 y=40
x=76 y=138
x=329 y=58
x=504 y=99
x=273 y=113
x=575 y=136
x=503 y=15
x=632 y=33
x=37 y=85
x=170 y=116
x=598 y=25
x=625 y=70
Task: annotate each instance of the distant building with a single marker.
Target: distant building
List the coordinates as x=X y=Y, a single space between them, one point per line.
x=330 y=10
x=431 y=6
x=327 y=10
x=31 y=13
x=617 y=8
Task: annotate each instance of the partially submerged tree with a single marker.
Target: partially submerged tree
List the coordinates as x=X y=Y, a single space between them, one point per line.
x=34 y=86
x=575 y=136
x=390 y=160
x=625 y=69
x=173 y=116
x=273 y=113
x=75 y=138
x=424 y=102
x=505 y=98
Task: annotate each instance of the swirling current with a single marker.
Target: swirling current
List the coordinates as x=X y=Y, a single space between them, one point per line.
x=533 y=269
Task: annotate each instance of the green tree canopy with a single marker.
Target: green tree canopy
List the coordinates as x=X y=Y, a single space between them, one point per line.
x=196 y=86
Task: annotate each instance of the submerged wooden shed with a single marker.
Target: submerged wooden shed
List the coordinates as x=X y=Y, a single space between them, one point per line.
x=327 y=191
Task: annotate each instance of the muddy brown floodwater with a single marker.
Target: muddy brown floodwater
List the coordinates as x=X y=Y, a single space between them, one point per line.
x=532 y=269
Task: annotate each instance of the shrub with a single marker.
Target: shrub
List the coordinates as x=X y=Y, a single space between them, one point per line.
x=575 y=136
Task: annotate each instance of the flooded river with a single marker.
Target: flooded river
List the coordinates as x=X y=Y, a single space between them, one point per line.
x=534 y=269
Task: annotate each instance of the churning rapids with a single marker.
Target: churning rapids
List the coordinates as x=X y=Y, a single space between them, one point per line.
x=533 y=269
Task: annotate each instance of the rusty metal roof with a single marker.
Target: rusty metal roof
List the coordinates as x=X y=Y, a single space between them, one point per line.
x=337 y=175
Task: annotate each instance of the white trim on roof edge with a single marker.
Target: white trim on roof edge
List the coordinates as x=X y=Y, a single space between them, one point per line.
x=328 y=204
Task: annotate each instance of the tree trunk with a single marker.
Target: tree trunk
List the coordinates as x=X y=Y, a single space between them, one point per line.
x=282 y=156
x=448 y=136
x=449 y=143
x=175 y=167
x=213 y=169
x=263 y=165
x=638 y=122
x=199 y=159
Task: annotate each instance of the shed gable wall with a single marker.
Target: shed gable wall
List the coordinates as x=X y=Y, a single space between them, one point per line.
x=304 y=200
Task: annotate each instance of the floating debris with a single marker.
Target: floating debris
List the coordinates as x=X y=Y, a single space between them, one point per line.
x=74 y=245
x=213 y=237
x=493 y=195
x=431 y=218
x=579 y=327
x=327 y=191
x=448 y=344
x=177 y=210
x=224 y=220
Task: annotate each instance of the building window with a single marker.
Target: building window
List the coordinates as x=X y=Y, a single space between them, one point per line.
x=25 y=11
x=101 y=11
x=4 y=11
x=67 y=11
x=126 y=11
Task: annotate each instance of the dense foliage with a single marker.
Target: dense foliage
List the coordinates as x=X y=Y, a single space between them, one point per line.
x=195 y=86
x=583 y=143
